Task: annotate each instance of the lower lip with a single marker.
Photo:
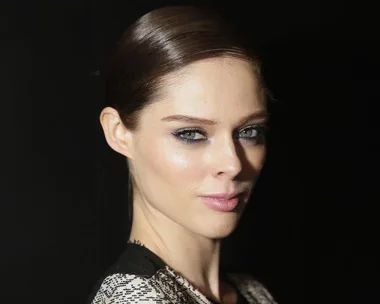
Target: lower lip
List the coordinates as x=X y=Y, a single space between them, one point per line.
x=221 y=204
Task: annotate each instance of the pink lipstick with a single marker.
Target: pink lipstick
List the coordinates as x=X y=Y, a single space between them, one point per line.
x=221 y=202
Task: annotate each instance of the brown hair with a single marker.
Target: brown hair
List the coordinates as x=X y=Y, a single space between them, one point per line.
x=159 y=43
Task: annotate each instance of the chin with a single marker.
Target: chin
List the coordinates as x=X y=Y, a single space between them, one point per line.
x=219 y=229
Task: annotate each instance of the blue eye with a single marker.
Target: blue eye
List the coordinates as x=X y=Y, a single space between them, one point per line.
x=191 y=135
x=253 y=133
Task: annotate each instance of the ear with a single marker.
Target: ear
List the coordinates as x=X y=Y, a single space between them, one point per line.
x=118 y=137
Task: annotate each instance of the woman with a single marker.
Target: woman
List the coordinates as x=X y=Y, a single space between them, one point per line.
x=187 y=109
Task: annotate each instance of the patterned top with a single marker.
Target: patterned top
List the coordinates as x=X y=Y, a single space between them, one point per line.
x=140 y=276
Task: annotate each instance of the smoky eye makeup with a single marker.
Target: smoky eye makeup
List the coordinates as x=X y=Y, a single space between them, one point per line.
x=254 y=133
x=190 y=135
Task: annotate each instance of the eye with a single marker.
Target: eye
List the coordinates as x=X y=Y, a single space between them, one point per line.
x=190 y=135
x=253 y=133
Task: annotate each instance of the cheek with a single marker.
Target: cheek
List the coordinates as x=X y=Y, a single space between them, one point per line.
x=256 y=157
x=171 y=164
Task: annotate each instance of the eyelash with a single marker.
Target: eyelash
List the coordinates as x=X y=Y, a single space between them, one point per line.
x=260 y=128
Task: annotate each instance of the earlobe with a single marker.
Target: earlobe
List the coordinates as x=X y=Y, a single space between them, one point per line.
x=116 y=134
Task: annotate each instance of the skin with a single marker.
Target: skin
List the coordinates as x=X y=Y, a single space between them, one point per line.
x=170 y=174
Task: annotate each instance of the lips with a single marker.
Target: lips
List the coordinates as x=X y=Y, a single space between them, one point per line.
x=222 y=196
x=223 y=202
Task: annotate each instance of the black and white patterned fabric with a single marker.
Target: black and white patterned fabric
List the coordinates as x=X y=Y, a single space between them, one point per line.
x=142 y=277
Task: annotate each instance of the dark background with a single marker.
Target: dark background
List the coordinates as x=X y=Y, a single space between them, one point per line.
x=309 y=233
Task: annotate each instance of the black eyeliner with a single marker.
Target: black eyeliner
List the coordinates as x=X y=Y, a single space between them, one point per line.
x=178 y=133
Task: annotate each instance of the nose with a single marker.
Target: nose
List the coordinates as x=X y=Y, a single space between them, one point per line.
x=226 y=159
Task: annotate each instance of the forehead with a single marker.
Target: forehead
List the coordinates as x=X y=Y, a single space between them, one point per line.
x=212 y=87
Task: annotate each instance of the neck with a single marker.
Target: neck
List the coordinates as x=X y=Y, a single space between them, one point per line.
x=192 y=256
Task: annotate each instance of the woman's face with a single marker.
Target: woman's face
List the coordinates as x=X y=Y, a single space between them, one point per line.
x=204 y=136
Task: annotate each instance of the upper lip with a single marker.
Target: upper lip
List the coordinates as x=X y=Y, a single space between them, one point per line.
x=225 y=196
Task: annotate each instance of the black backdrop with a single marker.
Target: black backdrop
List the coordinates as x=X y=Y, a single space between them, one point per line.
x=309 y=233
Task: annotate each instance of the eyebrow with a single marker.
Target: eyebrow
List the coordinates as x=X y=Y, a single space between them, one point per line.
x=203 y=121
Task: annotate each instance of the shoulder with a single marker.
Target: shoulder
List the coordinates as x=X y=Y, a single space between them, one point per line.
x=128 y=288
x=132 y=279
x=251 y=288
